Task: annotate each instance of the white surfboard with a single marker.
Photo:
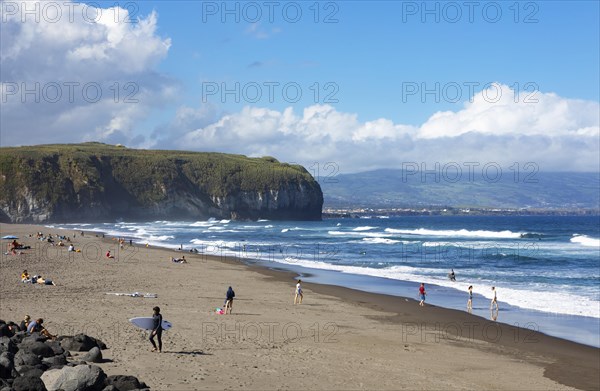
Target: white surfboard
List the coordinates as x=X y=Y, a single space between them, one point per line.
x=148 y=323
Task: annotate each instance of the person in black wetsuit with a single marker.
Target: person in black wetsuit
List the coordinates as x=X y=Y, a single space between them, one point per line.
x=156 y=330
x=452 y=276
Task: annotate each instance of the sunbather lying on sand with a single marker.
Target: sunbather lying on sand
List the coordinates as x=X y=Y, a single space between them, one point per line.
x=179 y=260
x=43 y=281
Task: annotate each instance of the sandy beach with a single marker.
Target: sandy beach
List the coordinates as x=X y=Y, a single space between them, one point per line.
x=337 y=339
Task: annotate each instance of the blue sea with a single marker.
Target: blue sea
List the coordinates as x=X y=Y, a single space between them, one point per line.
x=546 y=269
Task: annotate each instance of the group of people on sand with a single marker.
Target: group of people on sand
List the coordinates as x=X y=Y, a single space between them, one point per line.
x=52 y=239
x=493 y=303
x=36 y=279
x=157 y=318
x=14 y=248
x=30 y=326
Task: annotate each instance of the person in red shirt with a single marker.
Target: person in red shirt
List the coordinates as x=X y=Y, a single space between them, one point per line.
x=422 y=293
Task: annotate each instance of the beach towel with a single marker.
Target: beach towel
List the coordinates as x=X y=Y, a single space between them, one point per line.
x=136 y=294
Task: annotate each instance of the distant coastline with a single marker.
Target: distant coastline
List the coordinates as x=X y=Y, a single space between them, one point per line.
x=365 y=212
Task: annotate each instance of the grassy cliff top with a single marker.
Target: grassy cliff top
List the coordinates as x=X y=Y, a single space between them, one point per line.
x=101 y=149
x=88 y=163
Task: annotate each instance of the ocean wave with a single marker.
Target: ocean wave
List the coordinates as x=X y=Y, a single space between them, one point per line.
x=545 y=299
x=202 y=224
x=585 y=240
x=160 y=238
x=456 y=233
x=380 y=240
x=361 y=233
x=364 y=228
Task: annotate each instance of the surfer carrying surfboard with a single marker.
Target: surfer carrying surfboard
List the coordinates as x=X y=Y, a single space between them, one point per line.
x=157 y=329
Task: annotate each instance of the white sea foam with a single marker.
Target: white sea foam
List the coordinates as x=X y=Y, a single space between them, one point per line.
x=524 y=297
x=160 y=238
x=585 y=240
x=364 y=228
x=360 y=234
x=456 y=233
x=202 y=224
x=380 y=240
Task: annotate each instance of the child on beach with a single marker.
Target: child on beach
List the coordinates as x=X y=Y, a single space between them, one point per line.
x=298 y=296
x=109 y=255
x=470 y=301
x=229 y=300
x=25 y=277
x=422 y=294
x=156 y=330
x=494 y=300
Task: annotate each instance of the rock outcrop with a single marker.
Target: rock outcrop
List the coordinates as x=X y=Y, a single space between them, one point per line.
x=99 y=182
x=32 y=362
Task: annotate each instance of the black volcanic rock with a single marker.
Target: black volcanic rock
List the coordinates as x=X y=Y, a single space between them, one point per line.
x=35 y=363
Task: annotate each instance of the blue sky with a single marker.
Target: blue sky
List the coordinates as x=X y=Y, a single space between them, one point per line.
x=371 y=51
x=360 y=66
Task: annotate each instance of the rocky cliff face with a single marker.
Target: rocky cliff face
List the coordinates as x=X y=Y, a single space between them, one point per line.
x=97 y=182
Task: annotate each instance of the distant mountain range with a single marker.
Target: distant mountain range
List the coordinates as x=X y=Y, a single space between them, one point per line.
x=389 y=188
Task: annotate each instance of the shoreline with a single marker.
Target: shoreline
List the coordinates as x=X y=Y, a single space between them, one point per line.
x=399 y=319
x=460 y=326
x=451 y=298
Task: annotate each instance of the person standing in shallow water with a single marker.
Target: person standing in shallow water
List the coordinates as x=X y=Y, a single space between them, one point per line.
x=470 y=301
x=494 y=299
x=156 y=330
x=422 y=294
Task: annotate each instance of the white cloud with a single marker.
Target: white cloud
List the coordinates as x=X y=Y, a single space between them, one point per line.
x=555 y=133
x=518 y=114
x=92 y=70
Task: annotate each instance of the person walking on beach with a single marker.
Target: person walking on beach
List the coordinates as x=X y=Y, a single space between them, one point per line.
x=470 y=301
x=298 y=295
x=422 y=294
x=229 y=300
x=156 y=330
x=494 y=300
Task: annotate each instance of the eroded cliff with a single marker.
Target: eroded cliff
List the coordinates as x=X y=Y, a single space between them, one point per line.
x=99 y=182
